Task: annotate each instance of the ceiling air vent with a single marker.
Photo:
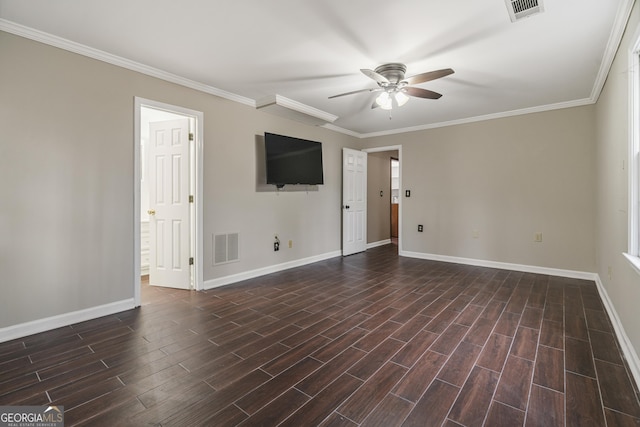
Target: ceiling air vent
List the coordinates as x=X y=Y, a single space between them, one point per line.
x=519 y=9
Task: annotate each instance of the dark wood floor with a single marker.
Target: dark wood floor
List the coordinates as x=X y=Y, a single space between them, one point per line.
x=372 y=340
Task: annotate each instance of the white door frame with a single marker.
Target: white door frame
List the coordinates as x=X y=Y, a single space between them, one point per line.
x=399 y=149
x=198 y=116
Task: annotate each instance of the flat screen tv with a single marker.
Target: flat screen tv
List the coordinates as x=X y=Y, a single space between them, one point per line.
x=292 y=160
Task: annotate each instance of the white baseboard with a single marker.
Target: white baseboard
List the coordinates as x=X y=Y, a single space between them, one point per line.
x=36 y=326
x=246 y=275
x=378 y=243
x=627 y=348
x=503 y=265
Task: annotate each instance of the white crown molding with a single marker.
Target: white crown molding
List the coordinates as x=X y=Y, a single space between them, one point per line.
x=295 y=110
x=615 y=38
x=68 y=45
x=342 y=130
x=41 y=325
x=523 y=111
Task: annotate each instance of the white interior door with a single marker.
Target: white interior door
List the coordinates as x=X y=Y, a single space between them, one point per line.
x=169 y=228
x=354 y=201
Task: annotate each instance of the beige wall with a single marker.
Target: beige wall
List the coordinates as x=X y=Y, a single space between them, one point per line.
x=508 y=179
x=379 y=208
x=66 y=159
x=67 y=190
x=612 y=116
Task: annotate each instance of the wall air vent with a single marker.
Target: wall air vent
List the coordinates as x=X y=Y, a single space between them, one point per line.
x=519 y=9
x=225 y=248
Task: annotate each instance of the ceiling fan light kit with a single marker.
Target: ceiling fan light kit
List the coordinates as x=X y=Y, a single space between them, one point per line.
x=395 y=88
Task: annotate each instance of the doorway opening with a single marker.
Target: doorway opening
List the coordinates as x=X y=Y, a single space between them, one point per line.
x=173 y=227
x=394 y=180
x=395 y=198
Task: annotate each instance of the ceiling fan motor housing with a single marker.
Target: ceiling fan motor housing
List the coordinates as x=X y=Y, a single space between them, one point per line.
x=394 y=72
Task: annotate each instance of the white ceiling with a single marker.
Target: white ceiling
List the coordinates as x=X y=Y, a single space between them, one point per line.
x=308 y=50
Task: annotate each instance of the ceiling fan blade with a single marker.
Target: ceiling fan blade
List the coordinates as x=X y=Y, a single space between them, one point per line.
x=421 y=93
x=375 y=76
x=354 y=92
x=431 y=75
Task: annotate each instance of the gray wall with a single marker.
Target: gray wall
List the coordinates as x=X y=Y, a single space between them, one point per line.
x=506 y=179
x=66 y=158
x=67 y=187
x=612 y=142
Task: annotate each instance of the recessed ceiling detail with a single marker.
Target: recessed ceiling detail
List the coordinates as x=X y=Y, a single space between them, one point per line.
x=519 y=9
x=285 y=107
x=313 y=50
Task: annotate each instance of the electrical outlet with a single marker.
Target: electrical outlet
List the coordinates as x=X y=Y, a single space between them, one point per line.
x=476 y=234
x=537 y=237
x=420 y=228
x=290 y=244
x=276 y=244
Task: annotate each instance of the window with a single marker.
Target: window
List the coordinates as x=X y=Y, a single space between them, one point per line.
x=633 y=252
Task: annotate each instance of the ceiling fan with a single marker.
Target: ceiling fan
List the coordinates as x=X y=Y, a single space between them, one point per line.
x=395 y=88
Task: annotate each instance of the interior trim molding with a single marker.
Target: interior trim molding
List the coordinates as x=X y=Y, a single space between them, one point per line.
x=625 y=343
x=378 y=243
x=285 y=107
x=501 y=115
x=246 y=275
x=615 y=37
x=71 y=46
x=48 y=323
x=503 y=265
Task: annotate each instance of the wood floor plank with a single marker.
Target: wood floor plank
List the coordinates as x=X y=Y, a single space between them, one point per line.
x=317 y=381
x=372 y=392
x=373 y=339
x=549 y=368
x=426 y=368
x=616 y=388
x=495 y=352
x=391 y=412
x=604 y=347
x=459 y=365
x=471 y=406
x=583 y=406
x=316 y=410
x=503 y=415
x=410 y=352
x=525 y=343
x=546 y=408
x=278 y=409
x=262 y=395
x=433 y=406
x=514 y=385
x=579 y=358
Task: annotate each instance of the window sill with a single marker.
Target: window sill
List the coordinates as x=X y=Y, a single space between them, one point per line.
x=634 y=261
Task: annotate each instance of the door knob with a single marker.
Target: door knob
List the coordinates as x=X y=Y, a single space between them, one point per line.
x=151 y=212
